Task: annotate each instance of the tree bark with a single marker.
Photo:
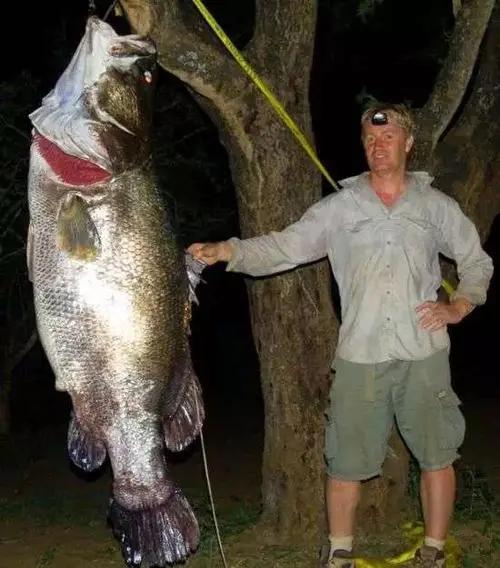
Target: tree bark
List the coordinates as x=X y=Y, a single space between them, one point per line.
x=292 y=317
x=468 y=162
x=452 y=81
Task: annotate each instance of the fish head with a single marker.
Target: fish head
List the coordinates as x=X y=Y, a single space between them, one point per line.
x=101 y=107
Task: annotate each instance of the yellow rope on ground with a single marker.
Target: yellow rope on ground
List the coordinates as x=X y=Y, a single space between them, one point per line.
x=414 y=532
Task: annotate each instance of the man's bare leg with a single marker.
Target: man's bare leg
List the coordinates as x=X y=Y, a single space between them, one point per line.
x=437 y=492
x=342 y=498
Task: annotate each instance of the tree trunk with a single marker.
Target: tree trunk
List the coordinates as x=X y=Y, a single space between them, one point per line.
x=468 y=159
x=292 y=320
x=452 y=82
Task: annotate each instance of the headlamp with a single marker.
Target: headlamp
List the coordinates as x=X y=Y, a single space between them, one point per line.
x=379 y=118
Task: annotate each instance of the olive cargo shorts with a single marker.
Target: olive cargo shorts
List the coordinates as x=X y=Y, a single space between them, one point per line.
x=365 y=398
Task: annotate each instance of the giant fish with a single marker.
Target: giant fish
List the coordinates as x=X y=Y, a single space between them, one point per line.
x=113 y=289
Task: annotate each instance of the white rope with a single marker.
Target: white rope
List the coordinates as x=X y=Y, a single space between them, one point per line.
x=209 y=486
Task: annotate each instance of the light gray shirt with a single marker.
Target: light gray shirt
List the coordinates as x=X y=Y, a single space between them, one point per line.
x=385 y=261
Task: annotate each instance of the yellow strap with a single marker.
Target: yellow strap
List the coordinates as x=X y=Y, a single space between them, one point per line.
x=278 y=107
x=448 y=288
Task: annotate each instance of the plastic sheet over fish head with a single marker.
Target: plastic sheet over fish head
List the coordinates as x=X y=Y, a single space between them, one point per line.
x=64 y=116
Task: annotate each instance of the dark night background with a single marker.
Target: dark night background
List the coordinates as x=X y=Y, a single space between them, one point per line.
x=354 y=58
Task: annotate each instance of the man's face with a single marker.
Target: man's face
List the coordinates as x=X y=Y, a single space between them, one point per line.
x=386 y=146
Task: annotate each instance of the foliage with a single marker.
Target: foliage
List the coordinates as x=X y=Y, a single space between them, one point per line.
x=366 y=8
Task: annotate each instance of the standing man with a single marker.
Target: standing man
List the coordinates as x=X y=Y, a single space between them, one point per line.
x=383 y=233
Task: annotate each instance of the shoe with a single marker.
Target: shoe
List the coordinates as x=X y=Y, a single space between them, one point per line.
x=428 y=557
x=341 y=559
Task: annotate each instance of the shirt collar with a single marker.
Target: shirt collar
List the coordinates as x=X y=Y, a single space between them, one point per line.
x=417 y=179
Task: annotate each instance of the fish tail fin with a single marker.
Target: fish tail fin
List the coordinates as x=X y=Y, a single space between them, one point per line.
x=165 y=534
x=182 y=427
x=85 y=452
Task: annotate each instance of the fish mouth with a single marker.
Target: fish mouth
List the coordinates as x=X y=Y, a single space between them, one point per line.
x=68 y=117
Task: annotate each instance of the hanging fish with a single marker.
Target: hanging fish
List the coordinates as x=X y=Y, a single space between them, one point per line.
x=113 y=289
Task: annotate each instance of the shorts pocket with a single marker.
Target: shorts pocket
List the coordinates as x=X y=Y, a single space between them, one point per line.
x=452 y=422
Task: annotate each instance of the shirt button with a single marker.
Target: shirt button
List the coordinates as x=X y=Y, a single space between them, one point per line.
x=387 y=291
x=387 y=265
x=388 y=319
x=388 y=242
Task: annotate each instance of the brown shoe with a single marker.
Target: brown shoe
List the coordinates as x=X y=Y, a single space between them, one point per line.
x=428 y=557
x=341 y=559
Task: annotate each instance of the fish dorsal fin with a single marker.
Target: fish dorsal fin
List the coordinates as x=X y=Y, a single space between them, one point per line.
x=76 y=232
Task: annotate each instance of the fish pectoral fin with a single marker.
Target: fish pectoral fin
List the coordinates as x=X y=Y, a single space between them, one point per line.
x=76 y=232
x=84 y=451
x=182 y=427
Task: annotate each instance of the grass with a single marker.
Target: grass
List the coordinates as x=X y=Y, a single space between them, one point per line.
x=477 y=519
x=476 y=524
x=476 y=529
x=52 y=509
x=46 y=557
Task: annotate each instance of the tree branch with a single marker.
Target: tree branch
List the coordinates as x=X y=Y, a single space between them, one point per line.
x=283 y=38
x=456 y=72
x=202 y=65
x=457 y=5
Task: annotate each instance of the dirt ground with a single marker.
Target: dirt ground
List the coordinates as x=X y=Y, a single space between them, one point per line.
x=50 y=517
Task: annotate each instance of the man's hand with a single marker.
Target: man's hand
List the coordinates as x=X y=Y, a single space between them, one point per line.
x=212 y=252
x=436 y=315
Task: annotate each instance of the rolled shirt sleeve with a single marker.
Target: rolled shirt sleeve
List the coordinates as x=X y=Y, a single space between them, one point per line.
x=461 y=243
x=302 y=242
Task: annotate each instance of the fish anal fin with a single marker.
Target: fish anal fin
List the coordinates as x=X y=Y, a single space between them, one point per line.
x=76 y=232
x=85 y=452
x=184 y=425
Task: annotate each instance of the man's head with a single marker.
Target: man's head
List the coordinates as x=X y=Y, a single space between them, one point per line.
x=387 y=134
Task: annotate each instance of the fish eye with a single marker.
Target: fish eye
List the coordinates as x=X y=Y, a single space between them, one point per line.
x=148 y=77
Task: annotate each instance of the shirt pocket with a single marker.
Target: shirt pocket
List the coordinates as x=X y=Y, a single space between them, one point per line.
x=362 y=234
x=415 y=231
